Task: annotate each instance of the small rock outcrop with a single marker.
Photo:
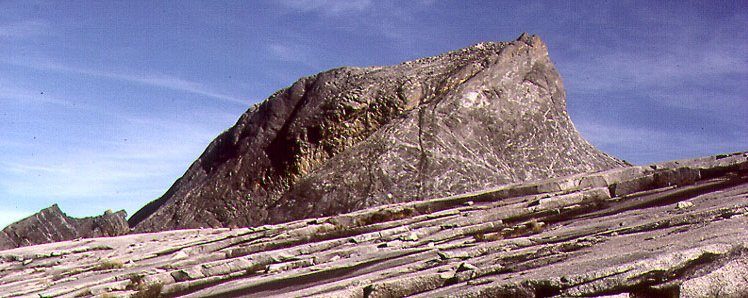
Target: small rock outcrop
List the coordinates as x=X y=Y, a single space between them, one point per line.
x=351 y=138
x=52 y=225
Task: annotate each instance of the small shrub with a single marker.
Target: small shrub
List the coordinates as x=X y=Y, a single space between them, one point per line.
x=136 y=282
x=85 y=293
x=150 y=291
x=535 y=226
x=109 y=264
x=385 y=215
x=484 y=237
x=529 y=228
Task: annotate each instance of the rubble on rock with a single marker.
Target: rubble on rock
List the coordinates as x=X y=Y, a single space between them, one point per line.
x=351 y=138
x=51 y=225
x=614 y=232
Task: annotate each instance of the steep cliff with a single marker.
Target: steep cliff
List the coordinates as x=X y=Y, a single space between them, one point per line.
x=52 y=225
x=351 y=138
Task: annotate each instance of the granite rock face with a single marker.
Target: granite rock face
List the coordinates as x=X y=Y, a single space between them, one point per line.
x=678 y=230
x=52 y=225
x=351 y=138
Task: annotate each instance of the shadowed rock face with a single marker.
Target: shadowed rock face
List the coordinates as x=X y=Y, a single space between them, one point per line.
x=351 y=138
x=52 y=225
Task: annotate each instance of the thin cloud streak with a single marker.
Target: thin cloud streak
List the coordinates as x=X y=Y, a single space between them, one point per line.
x=132 y=171
x=26 y=96
x=328 y=7
x=395 y=21
x=155 y=80
x=704 y=81
x=644 y=143
x=23 y=29
x=615 y=71
x=688 y=58
x=300 y=52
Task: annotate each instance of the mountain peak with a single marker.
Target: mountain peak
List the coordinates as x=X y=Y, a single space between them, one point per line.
x=351 y=138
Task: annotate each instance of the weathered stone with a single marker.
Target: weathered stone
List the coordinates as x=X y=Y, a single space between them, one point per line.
x=729 y=280
x=466 y=266
x=678 y=176
x=636 y=245
x=683 y=205
x=586 y=196
x=633 y=185
x=724 y=163
x=351 y=138
x=613 y=176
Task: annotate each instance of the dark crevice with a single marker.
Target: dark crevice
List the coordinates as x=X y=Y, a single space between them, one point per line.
x=423 y=157
x=284 y=148
x=219 y=151
x=546 y=289
x=314 y=135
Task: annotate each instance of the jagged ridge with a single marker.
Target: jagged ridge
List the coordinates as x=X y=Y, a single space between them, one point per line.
x=51 y=225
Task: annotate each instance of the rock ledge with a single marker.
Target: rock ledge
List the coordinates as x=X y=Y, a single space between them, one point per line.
x=626 y=232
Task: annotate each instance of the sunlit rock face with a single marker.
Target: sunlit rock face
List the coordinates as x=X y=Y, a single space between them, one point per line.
x=351 y=138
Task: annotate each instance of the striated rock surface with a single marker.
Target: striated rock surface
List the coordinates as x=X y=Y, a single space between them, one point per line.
x=351 y=138
x=673 y=229
x=52 y=225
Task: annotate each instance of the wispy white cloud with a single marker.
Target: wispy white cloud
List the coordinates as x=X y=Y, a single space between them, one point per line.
x=174 y=83
x=617 y=70
x=679 y=76
x=76 y=178
x=649 y=144
x=135 y=165
x=286 y=53
x=399 y=23
x=328 y=7
x=149 y=79
x=25 y=96
x=681 y=57
x=23 y=29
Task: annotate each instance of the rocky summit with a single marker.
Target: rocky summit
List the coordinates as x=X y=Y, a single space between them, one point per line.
x=673 y=229
x=351 y=138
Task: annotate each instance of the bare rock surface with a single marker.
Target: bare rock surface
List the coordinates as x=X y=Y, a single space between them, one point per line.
x=351 y=138
x=51 y=225
x=674 y=229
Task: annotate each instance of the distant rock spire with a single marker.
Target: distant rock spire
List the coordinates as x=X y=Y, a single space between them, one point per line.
x=52 y=225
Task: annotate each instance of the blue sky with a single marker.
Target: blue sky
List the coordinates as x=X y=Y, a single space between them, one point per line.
x=103 y=104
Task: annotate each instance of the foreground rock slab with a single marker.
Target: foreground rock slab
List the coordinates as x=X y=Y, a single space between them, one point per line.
x=678 y=230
